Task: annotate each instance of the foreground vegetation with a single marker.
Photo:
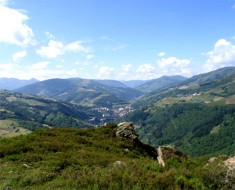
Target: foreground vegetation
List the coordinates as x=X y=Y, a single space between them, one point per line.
x=96 y=159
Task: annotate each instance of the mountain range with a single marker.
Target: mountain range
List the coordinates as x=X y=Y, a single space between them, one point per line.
x=13 y=83
x=184 y=113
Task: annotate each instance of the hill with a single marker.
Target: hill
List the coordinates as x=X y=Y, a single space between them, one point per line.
x=205 y=88
x=155 y=84
x=196 y=116
x=31 y=112
x=83 y=91
x=13 y=83
x=97 y=158
x=134 y=83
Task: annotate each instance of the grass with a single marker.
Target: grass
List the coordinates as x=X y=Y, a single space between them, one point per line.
x=94 y=159
x=11 y=128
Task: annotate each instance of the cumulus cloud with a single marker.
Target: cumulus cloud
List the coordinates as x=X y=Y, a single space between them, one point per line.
x=14 y=30
x=105 y=72
x=53 y=50
x=76 y=47
x=174 y=66
x=222 y=55
x=19 y=55
x=56 y=48
x=145 y=68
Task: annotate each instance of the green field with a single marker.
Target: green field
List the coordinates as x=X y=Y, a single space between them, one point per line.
x=10 y=128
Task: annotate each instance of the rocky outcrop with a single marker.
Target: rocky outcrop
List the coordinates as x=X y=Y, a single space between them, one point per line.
x=162 y=153
x=126 y=130
x=167 y=152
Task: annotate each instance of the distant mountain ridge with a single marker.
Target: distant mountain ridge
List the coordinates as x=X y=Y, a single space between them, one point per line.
x=83 y=91
x=13 y=83
x=155 y=84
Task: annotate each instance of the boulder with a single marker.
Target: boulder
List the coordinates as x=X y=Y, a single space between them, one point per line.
x=126 y=130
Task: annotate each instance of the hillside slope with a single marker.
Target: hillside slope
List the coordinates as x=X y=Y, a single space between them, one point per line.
x=196 y=117
x=97 y=159
x=155 y=84
x=33 y=112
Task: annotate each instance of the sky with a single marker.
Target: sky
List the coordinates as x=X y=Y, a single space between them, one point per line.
x=115 y=39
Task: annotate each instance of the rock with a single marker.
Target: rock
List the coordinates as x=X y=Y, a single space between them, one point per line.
x=119 y=163
x=126 y=130
x=213 y=159
x=166 y=152
x=25 y=165
x=230 y=163
x=7 y=188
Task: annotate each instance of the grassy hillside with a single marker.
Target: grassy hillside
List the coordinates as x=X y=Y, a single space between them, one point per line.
x=205 y=88
x=31 y=112
x=97 y=159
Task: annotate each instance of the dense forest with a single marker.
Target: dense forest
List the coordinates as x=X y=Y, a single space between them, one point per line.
x=195 y=129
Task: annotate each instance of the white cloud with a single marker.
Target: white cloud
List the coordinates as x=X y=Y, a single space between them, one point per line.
x=13 y=27
x=174 y=66
x=53 y=50
x=145 y=68
x=57 y=48
x=3 y=2
x=40 y=65
x=19 y=55
x=223 y=54
x=126 y=68
x=161 y=54
x=76 y=47
x=49 y=35
x=105 y=72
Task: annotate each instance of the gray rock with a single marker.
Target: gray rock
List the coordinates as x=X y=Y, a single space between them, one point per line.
x=126 y=130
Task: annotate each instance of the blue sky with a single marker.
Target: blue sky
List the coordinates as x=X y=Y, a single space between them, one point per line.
x=115 y=39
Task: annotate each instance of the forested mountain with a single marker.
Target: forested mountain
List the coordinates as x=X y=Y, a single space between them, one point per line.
x=197 y=116
x=31 y=112
x=83 y=91
x=13 y=83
